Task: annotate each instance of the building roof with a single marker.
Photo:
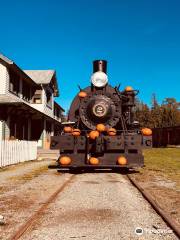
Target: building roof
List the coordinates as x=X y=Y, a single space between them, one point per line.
x=57 y=105
x=44 y=77
x=35 y=76
x=40 y=76
x=5 y=59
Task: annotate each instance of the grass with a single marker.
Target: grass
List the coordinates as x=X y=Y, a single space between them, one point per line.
x=22 y=178
x=161 y=178
x=30 y=175
x=165 y=161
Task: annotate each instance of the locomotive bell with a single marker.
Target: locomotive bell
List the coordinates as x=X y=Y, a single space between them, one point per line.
x=99 y=78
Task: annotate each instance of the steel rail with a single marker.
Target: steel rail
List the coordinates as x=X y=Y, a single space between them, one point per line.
x=23 y=229
x=162 y=213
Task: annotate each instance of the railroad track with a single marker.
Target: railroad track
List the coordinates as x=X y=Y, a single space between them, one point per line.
x=36 y=216
x=162 y=213
x=23 y=229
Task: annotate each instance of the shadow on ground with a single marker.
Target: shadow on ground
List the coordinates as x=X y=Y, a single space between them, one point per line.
x=82 y=171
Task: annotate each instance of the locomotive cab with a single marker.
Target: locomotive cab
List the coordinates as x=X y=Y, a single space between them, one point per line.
x=101 y=131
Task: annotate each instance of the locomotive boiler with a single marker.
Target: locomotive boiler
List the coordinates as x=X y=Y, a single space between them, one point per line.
x=101 y=131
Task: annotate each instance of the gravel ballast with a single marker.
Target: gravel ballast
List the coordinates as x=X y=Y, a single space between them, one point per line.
x=99 y=206
x=23 y=189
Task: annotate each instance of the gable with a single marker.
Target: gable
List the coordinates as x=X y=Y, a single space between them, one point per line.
x=45 y=77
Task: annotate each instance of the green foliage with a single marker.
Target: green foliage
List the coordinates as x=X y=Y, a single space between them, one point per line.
x=166 y=114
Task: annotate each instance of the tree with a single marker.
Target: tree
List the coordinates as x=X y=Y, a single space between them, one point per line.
x=171 y=112
x=142 y=114
x=167 y=114
x=155 y=112
x=154 y=102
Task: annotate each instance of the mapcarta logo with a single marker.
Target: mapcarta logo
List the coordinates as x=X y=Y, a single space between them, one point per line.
x=139 y=231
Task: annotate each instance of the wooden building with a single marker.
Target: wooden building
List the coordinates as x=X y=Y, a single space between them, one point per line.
x=28 y=110
x=166 y=136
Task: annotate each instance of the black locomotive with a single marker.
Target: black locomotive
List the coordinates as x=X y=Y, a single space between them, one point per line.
x=100 y=131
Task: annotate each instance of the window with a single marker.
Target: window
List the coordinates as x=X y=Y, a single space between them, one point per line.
x=56 y=112
x=18 y=128
x=14 y=82
x=12 y=128
x=37 y=97
x=48 y=127
x=49 y=98
x=26 y=91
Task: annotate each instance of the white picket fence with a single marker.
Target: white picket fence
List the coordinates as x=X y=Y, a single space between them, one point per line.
x=12 y=152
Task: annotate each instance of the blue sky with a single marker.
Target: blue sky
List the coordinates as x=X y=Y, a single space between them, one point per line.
x=139 y=39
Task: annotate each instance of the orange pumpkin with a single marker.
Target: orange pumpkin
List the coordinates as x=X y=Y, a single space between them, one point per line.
x=67 y=129
x=122 y=160
x=94 y=161
x=82 y=94
x=128 y=88
x=101 y=127
x=111 y=131
x=146 y=131
x=76 y=132
x=94 y=134
x=64 y=160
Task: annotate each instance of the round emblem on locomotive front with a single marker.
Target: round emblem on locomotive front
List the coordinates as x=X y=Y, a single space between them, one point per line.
x=99 y=109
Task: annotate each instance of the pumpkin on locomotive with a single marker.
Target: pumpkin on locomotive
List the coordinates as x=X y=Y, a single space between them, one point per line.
x=101 y=131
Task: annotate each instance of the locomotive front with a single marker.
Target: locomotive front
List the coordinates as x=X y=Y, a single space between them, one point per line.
x=101 y=131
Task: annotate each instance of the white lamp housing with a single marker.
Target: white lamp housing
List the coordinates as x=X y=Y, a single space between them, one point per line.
x=99 y=79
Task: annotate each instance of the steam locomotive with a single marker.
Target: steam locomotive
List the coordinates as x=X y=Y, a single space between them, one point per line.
x=101 y=131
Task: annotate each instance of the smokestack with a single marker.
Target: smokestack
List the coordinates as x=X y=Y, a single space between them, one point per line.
x=100 y=65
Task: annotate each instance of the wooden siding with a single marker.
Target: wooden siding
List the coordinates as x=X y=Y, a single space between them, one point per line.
x=4 y=79
x=1 y=130
x=166 y=136
x=4 y=82
x=47 y=110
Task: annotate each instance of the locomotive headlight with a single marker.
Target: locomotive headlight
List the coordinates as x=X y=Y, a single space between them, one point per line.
x=99 y=79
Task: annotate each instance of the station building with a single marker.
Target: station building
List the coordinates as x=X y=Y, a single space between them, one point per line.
x=28 y=110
